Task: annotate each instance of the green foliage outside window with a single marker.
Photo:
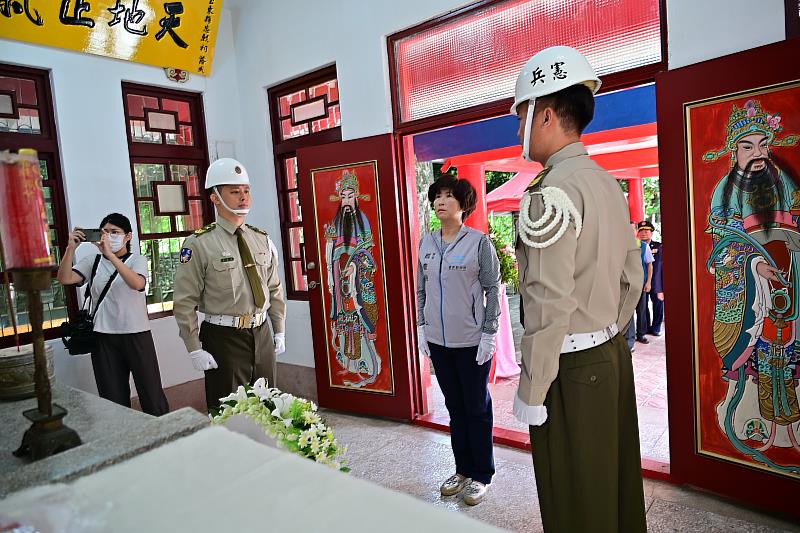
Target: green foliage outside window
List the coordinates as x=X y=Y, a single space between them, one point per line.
x=509 y=274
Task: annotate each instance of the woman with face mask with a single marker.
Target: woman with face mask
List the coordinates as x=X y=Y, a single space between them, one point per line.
x=124 y=343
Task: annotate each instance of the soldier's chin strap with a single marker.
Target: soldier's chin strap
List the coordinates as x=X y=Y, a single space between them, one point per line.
x=526 y=143
x=240 y=212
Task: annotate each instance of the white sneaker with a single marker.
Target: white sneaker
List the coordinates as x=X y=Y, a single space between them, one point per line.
x=476 y=492
x=454 y=484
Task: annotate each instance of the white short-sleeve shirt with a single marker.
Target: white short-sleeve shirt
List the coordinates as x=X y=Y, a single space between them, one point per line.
x=123 y=310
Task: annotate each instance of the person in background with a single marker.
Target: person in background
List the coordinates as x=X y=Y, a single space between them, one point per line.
x=458 y=305
x=642 y=313
x=656 y=294
x=630 y=329
x=124 y=342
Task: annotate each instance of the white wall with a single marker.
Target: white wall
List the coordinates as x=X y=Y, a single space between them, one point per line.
x=87 y=97
x=277 y=41
x=705 y=29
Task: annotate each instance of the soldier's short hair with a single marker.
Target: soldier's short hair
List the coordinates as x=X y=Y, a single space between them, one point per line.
x=462 y=190
x=573 y=105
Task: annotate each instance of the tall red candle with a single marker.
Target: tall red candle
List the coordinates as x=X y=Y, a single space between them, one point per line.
x=23 y=219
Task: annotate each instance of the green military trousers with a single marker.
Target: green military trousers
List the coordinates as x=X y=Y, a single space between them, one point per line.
x=586 y=455
x=242 y=356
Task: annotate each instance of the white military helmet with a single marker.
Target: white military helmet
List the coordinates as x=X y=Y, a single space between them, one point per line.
x=548 y=72
x=226 y=171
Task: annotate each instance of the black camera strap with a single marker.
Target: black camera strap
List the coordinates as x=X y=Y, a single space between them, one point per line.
x=87 y=295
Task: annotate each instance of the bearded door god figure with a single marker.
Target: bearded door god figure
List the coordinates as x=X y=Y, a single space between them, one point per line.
x=753 y=222
x=351 y=283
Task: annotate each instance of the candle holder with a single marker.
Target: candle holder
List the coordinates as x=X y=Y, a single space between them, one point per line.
x=25 y=253
x=48 y=434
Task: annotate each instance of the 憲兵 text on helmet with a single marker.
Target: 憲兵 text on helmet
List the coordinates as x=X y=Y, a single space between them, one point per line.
x=552 y=70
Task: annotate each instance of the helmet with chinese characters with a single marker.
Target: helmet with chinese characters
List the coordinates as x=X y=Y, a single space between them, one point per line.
x=552 y=70
x=226 y=171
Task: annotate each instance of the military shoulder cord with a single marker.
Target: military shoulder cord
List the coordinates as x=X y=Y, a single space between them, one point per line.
x=557 y=208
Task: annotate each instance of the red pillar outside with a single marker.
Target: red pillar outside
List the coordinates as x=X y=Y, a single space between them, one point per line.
x=474 y=174
x=636 y=199
x=479 y=219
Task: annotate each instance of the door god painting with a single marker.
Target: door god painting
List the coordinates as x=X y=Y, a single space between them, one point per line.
x=744 y=182
x=348 y=232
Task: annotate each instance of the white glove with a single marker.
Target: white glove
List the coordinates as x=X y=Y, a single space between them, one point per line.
x=424 y=349
x=202 y=360
x=486 y=348
x=280 y=343
x=533 y=415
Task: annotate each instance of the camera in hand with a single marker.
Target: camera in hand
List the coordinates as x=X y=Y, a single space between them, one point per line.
x=92 y=235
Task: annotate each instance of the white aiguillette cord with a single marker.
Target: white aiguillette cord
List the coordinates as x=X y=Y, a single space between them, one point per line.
x=557 y=208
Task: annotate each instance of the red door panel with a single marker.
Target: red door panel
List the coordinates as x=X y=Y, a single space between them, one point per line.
x=732 y=347
x=358 y=283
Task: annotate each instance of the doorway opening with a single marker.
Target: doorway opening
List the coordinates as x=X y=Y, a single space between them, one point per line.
x=622 y=139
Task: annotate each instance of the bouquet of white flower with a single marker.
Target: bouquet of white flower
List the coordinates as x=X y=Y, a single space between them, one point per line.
x=293 y=422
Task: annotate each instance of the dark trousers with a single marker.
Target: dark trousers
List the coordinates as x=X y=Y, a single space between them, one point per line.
x=642 y=316
x=242 y=356
x=586 y=455
x=118 y=355
x=465 y=385
x=630 y=333
x=658 y=314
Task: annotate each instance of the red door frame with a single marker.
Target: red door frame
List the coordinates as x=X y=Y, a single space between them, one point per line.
x=403 y=132
x=397 y=279
x=773 y=65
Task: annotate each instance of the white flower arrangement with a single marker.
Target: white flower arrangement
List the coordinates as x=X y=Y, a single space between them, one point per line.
x=293 y=422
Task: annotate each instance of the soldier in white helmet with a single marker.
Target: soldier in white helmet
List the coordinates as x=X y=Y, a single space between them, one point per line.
x=228 y=270
x=580 y=279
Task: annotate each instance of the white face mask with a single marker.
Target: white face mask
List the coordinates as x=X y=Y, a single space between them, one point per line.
x=116 y=242
x=240 y=212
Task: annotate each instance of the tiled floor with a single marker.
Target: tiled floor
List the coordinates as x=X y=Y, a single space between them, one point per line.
x=650 y=371
x=415 y=460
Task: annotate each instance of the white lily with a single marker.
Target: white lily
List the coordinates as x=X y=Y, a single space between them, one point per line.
x=260 y=389
x=240 y=395
x=282 y=404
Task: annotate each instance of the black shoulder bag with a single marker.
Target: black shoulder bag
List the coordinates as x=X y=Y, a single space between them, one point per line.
x=78 y=335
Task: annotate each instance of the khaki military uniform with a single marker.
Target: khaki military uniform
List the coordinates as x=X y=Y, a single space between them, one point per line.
x=211 y=278
x=586 y=455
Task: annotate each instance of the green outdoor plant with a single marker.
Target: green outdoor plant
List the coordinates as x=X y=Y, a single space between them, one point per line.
x=509 y=274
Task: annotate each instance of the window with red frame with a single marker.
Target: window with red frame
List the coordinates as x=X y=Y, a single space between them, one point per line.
x=305 y=112
x=169 y=157
x=27 y=121
x=474 y=57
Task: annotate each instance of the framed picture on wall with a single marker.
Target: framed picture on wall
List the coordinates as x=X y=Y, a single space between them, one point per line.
x=743 y=162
